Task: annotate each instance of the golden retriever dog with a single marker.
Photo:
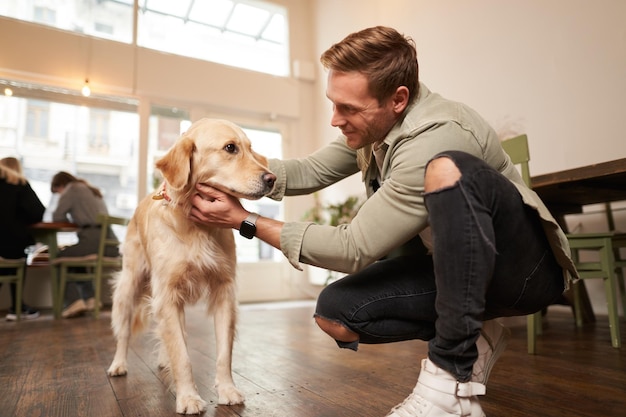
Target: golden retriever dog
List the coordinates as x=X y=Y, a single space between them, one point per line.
x=170 y=261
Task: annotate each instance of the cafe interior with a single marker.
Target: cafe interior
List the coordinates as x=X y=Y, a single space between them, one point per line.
x=103 y=88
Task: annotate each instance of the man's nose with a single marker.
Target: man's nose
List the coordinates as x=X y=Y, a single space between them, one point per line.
x=337 y=120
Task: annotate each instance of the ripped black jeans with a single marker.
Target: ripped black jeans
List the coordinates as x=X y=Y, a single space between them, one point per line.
x=491 y=259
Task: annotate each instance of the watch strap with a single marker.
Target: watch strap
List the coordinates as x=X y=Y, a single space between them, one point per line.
x=252 y=218
x=248 y=226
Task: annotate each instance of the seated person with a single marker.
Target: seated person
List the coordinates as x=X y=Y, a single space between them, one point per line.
x=20 y=208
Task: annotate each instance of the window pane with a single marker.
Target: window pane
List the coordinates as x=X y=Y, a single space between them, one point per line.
x=176 y=8
x=213 y=13
x=248 y=20
x=275 y=30
x=110 y=19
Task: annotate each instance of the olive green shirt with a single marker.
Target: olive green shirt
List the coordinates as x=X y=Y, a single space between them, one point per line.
x=396 y=212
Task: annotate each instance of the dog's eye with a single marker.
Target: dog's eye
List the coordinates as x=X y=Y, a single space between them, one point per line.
x=231 y=148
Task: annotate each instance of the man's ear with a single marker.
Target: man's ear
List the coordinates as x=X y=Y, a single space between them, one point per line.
x=175 y=165
x=400 y=99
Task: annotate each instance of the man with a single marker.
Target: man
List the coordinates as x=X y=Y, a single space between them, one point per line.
x=464 y=241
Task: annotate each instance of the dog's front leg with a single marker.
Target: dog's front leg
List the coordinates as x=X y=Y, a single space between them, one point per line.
x=171 y=330
x=121 y=320
x=224 y=320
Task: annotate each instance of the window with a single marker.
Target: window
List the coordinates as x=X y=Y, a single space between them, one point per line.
x=250 y=34
x=44 y=15
x=245 y=34
x=98 y=143
x=99 y=131
x=37 y=113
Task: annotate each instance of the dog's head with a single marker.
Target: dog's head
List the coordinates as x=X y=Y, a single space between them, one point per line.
x=217 y=153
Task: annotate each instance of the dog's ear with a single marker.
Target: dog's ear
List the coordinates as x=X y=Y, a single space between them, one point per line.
x=175 y=165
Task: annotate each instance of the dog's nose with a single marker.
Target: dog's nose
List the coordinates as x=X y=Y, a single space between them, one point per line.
x=269 y=179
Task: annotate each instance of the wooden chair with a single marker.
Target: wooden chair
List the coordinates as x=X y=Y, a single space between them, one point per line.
x=19 y=265
x=607 y=245
x=95 y=266
x=608 y=267
x=518 y=151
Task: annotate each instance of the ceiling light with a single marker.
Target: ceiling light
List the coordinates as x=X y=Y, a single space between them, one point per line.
x=86 y=90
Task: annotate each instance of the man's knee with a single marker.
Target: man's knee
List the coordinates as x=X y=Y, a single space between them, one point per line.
x=441 y=173
x=336 y=330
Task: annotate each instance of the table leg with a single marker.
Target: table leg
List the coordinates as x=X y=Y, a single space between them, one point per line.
x=49 y=238
x=586 y=308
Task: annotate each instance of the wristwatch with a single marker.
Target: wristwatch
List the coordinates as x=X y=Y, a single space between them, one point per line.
x=248 y=226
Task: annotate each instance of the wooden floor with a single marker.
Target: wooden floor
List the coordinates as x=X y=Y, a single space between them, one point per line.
x=288 y=368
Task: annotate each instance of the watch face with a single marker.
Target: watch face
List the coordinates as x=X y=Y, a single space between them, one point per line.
x=247 y=229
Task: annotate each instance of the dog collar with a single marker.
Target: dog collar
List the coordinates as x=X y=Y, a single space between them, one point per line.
x=162 y=194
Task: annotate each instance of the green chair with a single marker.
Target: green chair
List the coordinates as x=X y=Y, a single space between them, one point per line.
x=607 y=245
x=19 y=265
x=95 y=266
x=608 y=266
x=517 y=149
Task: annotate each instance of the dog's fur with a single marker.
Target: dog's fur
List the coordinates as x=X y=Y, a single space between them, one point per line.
x=170 y=261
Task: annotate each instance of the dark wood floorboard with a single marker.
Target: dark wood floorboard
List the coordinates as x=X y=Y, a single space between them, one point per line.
x=288 y=368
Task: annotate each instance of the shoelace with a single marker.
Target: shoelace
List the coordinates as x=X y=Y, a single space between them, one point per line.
x=412 y=406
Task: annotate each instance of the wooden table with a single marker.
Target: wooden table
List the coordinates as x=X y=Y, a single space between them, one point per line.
x=566 y=192
x=46 y=233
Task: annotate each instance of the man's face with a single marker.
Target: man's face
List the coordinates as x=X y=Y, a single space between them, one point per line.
x=361 y=118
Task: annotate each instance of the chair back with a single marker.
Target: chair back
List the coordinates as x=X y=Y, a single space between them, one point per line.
x=517 y=149
x=107 y=241
x=90 y=267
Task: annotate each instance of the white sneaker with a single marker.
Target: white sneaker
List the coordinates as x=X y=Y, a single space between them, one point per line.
x=491 y=343
x=439 y=394
x=28 y=313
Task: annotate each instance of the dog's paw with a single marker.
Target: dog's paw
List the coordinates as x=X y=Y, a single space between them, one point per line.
x=190 y=404
x=229 y=395
x=117 y=369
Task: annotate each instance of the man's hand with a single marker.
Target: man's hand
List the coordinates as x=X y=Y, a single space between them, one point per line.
x=217 y=209
x=214 y=208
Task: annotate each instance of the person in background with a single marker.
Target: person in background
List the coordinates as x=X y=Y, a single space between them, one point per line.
x=20 y=208
x=435 y=175
x=79 y=202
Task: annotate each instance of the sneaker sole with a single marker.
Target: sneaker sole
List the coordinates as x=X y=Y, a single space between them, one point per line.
x=23 y=316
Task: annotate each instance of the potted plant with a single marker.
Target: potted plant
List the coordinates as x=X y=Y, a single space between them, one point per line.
x=334 y=215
